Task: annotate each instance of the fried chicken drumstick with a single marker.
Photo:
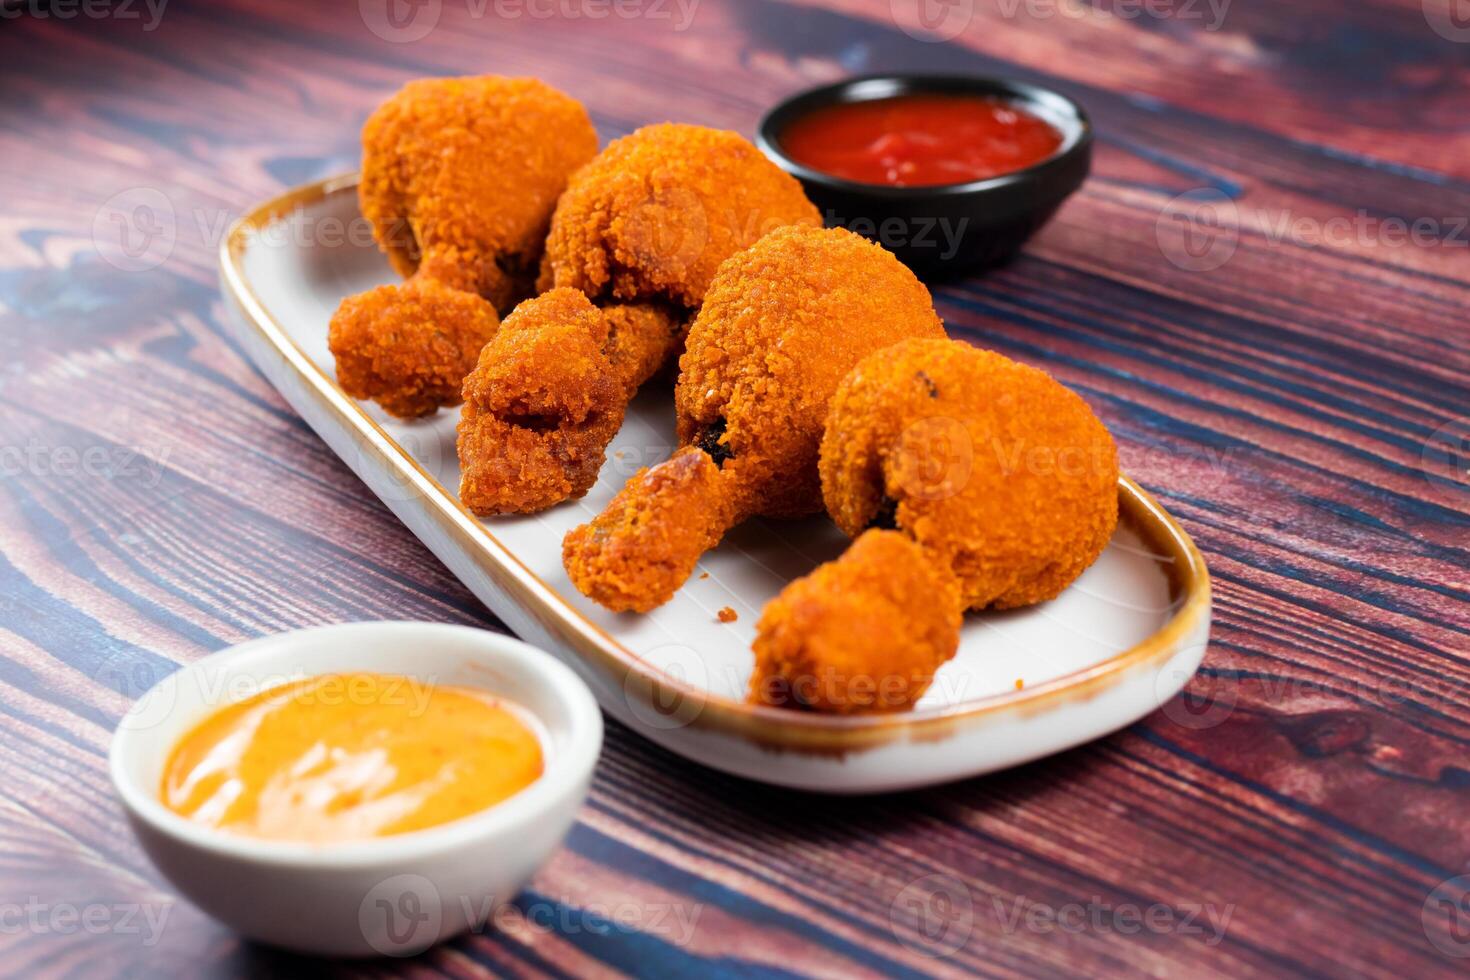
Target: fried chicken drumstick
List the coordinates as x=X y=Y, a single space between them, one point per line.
x=862 y=633
x=639 y=232
x=459 y=179
x=970 y=481
x=781 y=324
x=537 y=413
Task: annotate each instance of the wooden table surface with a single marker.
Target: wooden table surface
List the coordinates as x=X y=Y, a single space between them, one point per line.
x=1283 y=355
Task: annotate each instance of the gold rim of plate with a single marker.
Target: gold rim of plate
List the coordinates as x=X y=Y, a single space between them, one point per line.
x=774 y=728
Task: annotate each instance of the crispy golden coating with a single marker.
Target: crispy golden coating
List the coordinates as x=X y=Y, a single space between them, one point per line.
x=654 y=215
x=639 y=230
x=644 y=545
x=437 y=334
x=781 y=323
x=549 y=393
x=540 y=406
x=969 y=480
x=864 y=633
x=1004 y=475
x=640 y=338
x=460 y=176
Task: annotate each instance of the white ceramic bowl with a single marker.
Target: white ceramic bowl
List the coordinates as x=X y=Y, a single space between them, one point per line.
x=390 y=895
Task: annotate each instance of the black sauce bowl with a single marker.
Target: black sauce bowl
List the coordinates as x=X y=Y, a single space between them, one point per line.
x=945 y=229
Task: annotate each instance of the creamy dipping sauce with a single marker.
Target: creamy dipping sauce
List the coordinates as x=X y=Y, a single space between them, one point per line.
x=350 y=756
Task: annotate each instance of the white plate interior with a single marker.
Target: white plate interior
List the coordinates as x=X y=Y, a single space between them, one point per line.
x=303 y=266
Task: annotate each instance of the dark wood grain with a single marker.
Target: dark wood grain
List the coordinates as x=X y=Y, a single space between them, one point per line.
x=1280 y=404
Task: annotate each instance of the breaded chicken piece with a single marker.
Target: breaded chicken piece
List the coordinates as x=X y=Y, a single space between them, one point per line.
x=1002 y=473
x=639 y=550
x=640 y=231
x=782 y=322
x=540 y=407
x=437 y=335
x=1002 y=483
x=657 y=211
x=459 y=179
x=548 y=395
x=864 y=633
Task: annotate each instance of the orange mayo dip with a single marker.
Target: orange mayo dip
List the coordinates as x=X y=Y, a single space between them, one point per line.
x=350 y=756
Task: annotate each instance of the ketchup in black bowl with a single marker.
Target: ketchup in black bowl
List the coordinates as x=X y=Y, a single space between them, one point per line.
x=920 y=140
x=951 y=173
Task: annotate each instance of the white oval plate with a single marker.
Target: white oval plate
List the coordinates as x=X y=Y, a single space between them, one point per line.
x=1119 y=643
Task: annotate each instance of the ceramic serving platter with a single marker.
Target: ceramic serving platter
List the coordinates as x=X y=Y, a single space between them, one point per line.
x=1115 y=646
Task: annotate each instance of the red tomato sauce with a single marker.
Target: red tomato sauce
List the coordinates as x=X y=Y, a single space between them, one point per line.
x=920 y=140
